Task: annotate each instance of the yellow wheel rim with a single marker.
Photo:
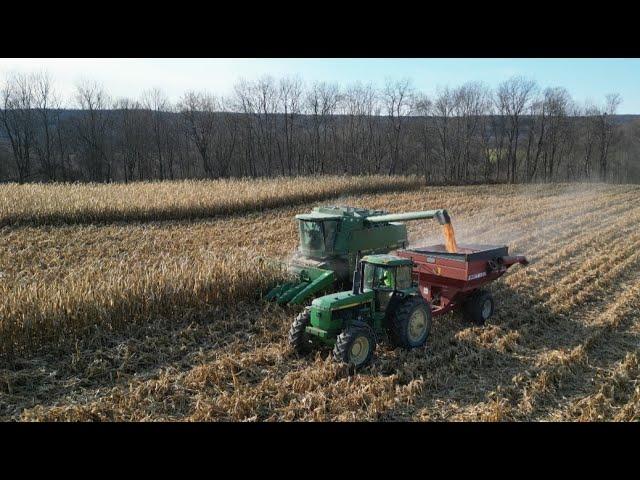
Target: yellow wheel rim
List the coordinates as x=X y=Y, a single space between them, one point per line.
x=417 y=325
x=359 y=350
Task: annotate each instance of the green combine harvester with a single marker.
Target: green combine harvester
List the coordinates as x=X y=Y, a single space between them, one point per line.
x=331 y=238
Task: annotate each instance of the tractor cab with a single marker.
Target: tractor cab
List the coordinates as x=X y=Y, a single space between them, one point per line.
x=383 y=299
x=385 y=275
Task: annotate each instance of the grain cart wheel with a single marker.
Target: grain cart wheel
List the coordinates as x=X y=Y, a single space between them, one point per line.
x=410 y=323
x=355 y=346
x=479 y=307
x=298 y=337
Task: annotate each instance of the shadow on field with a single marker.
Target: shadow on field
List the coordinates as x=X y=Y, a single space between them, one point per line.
x=108 y=358
x=190 y=213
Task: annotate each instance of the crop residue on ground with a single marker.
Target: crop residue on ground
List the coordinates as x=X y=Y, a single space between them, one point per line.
x=148 y=316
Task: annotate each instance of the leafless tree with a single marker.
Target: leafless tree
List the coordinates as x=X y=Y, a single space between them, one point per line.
x=606 y=131
x=424 y=108
x=471 y=104
x=320 y=104
x=398 y=97
x=557 y=103
x=589 y=135
x=443 y=109
x=49 y=147
x=361 y=136
x=156 y=103
x=198 y=112
x=513 y=97
x=93 y=128
x=538 y=114
x=18 y=120
x=225 y=140
x=266 y=93
x=245 y=103
x=133 y=142
x=290 y=98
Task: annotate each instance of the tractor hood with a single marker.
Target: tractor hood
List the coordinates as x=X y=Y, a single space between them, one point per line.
x=340 y=300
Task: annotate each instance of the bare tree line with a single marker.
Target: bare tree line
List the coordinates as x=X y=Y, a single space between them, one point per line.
x=518 y=132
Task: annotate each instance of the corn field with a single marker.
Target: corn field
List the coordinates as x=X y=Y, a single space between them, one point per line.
x=175 y=200
x=113 y=306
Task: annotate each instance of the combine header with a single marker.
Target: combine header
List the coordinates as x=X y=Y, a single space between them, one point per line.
x=330 y=239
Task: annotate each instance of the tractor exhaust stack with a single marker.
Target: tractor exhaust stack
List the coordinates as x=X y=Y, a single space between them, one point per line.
x=356 y=276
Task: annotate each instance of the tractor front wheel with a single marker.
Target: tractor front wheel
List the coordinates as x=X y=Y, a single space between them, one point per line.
x=410 y=323
x=479 y=307
x=298 y=337
x=355 y=346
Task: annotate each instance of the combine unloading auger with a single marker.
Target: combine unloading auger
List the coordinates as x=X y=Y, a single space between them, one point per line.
x=330 y=239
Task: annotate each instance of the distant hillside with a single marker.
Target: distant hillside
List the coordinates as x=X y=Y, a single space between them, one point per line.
x=68 y=114
x=138 y=145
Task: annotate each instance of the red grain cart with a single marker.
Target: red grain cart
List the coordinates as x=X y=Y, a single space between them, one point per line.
x=448 y=280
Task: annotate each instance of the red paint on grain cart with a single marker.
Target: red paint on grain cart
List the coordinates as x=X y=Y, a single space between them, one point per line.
x=446 y=279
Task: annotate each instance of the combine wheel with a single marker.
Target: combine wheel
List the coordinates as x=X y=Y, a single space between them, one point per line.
x=355 y=346
x=410 y=323
x=479 y=307
x=298 y=337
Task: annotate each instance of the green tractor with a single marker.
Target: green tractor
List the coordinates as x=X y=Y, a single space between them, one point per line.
x=384 y=299
x=330 y=239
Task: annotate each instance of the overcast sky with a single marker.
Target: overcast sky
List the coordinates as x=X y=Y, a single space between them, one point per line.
x=586 y=79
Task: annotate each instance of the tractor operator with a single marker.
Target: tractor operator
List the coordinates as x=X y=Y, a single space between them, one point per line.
x=387 y=280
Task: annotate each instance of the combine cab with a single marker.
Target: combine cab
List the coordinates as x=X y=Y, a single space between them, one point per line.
x=330 y=240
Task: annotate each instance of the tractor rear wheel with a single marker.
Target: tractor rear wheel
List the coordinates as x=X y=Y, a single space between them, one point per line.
x=355 y=346
x=479 y=307
x=410 y=323
x=298 y=337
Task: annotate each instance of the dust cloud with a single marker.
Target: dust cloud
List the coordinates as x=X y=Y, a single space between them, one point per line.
x=510 y=221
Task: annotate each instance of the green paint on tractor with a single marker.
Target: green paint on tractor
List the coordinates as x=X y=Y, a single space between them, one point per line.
x=330 y=240
x=352 y=321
